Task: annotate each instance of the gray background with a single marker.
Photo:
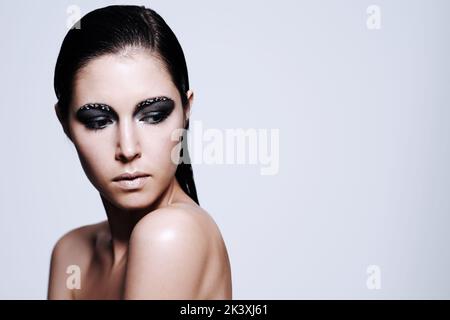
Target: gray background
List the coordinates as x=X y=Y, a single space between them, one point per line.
x=364 y=143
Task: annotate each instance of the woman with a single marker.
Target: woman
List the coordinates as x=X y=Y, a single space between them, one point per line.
x=122 y=86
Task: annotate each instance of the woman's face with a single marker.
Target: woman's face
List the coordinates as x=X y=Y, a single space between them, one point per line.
x=123 y=129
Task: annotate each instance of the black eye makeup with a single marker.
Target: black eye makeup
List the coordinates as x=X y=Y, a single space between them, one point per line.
x=97 y=116
x=154 y=110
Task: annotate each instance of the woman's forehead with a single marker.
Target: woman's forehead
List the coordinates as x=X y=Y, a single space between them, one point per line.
x=122 y=79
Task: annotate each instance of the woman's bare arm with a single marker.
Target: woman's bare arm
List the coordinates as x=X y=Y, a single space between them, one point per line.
x=168 y=255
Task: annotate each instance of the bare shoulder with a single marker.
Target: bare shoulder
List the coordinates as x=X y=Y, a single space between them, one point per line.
x=76 y=244
x=177 y=252
x=71 y=252
x=182 y=219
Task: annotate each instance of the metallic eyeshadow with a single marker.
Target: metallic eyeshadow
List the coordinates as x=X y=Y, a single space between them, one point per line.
x=89 y=112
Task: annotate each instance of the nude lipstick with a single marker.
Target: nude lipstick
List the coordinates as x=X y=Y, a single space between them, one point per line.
x=131 y=181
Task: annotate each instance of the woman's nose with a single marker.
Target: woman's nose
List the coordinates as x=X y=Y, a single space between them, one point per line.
x=128 y=146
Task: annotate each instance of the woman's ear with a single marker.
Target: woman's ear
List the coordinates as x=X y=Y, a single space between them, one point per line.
x=188 y=109
x=62 y=121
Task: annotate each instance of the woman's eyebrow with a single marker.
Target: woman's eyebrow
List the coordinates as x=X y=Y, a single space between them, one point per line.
x=139 y=106
x=98 y=106
x=149 y=101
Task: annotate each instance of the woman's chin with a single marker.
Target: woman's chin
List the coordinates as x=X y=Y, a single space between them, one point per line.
x=132 y=201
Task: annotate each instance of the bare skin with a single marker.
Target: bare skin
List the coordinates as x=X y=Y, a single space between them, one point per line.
x=188 y=273
x=157 y=243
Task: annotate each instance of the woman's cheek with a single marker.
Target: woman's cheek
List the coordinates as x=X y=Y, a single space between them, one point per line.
x=161 y=156
x=93 y=155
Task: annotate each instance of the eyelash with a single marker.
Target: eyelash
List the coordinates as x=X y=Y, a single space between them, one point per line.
x=161 y=116
x=94 y=124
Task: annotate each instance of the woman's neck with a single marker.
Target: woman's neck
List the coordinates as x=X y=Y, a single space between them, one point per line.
x=122 y=222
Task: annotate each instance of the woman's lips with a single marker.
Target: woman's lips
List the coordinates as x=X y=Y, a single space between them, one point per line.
x=130 y=181
x=130 y=184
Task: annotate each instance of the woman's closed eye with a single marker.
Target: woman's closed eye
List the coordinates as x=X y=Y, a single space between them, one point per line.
x=154 y=117
x=98 y=123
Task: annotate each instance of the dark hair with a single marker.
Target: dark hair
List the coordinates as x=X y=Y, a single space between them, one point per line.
x=110 y=30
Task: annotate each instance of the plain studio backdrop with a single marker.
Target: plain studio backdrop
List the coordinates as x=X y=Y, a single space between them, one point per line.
x=359 y=91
